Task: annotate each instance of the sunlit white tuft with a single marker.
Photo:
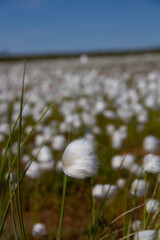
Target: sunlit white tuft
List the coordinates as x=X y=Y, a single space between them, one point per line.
x=79 y=160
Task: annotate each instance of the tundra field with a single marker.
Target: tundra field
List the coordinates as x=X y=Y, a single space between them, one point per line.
x=112 y=103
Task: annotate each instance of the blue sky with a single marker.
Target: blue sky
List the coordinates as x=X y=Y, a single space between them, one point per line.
x=40 y=26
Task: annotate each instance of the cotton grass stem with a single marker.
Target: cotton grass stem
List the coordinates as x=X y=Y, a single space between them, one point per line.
x=62 y=207
x=145 y=196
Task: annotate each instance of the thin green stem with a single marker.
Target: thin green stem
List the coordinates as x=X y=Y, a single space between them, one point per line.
x=18 y=162
x=4 y=159
x=12 y=180
x=145 y=197
x=62 y=208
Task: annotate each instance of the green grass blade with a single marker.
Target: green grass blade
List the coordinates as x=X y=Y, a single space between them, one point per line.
x=12 y=180
x=18 y=200
x=62 y=208
x=21 y=179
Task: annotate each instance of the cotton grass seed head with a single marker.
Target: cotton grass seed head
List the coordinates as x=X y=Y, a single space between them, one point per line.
x=79 y=160
x=151 y=163
x=145 y=235
x=39 y=229
x=97 y=191
x=139 y=188
x=33 y=171
x=121 y=182
x=137 y=225
x=109 y=191
x=152 y=205
x=150 y=143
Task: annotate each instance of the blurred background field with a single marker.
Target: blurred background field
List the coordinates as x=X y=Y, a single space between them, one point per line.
x=112 y=101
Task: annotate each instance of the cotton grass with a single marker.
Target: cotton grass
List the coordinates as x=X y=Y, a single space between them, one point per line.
x=39 y=229
x=79 y=160
x=139 y=188
x=145 y=235
x=151 y=163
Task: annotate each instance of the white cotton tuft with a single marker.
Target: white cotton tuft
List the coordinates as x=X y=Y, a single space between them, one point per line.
x=152 y=205
x=104 y=190
x=38 y=229
x=137 y=225
x=45 y=159
x=110 y=128
x=117 y=161
x=137 y=170
x=151 y=163
x=45 y=155
x=117 y=139
x=83 y=59
x=129 y=160
x=39 y=140
x=110 y=191
x=121 y=182
x=145 y=235
x=79 y=160
x=59 y=166
x=123 y=161
x=26 y=158
x=34 y=170
x=151 y=143
x=139 y=187
x=59 y=142
x=97 y=191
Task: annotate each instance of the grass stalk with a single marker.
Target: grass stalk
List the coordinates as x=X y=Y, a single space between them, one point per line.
x=12 y=182
x=145 y=197
x=15 y=158
x=62 y=207
x=20 y=216
x=21 y=179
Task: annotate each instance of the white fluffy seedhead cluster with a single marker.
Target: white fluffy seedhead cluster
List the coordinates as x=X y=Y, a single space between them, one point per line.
x=79 y=160
x=124 y=161
x=146 y=235
x=97 y=191
x=59 y=166
x=151 y=143
x=109 y=191
x=151 y=163
x=152 y=205
x=106 y=190
x=39 y=229
x=59 y=142
x=45 y=159
x=121 y=182
x=139 y=187
x=137 y=169
x=34 y=170
x=137 y=225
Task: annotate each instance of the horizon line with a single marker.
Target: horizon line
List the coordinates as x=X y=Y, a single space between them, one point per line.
x=4 y=55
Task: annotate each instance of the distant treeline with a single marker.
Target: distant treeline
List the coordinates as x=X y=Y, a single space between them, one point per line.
x=11 y=57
